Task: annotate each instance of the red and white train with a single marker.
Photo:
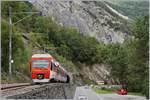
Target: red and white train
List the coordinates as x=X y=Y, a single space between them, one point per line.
x=44 y=68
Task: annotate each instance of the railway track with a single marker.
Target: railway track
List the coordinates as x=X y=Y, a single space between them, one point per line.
x=20 y=85
x=17 y=88
x=15 y=85
x=8 y=90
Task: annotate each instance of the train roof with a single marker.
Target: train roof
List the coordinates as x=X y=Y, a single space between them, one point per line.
x=42 y=55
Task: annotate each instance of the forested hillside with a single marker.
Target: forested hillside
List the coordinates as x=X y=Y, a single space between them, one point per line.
x=128 y=62
x=130 y=8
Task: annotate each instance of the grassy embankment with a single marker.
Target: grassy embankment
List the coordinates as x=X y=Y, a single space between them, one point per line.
x=113 y=91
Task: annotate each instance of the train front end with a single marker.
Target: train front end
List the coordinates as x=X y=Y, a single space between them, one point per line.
x=40 y=68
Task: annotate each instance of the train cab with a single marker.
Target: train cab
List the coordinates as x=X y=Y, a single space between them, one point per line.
x=44 y=68
x=40 y=67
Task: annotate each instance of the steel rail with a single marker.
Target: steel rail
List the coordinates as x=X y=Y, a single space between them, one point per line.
x=9 y=86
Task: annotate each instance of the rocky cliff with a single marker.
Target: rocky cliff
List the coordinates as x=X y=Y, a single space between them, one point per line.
x=92 y=18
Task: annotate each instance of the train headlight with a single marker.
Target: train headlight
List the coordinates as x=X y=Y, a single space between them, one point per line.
x=40 y=76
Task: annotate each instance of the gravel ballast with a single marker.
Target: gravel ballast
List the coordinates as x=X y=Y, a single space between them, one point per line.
x=57 y=91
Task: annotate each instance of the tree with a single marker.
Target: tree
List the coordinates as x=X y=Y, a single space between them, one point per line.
x=138 y=66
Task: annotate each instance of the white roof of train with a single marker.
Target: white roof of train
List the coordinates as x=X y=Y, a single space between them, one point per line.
x=41 y=55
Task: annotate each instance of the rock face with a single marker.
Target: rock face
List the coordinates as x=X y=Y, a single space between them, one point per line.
x=92 y=18
x=92 y=74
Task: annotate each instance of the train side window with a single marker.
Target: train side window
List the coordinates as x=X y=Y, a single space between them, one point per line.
x=55 y=69
x=59 y=71
x=64 y=75
x=51 y=65
x=62 y=72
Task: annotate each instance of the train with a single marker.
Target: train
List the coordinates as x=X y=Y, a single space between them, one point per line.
x=44 y=68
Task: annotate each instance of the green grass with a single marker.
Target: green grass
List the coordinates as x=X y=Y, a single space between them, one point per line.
x=100 y=91
x=106 y=91
x=15 y=78
x=135 y=93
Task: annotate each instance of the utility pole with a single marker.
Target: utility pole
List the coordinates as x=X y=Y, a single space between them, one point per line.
x=10 y=34
x=10 y=43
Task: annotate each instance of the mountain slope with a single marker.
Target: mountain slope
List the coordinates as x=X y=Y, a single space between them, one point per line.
x=91 y=18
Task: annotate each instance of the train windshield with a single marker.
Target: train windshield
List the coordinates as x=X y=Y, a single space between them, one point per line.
x=40 y=63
